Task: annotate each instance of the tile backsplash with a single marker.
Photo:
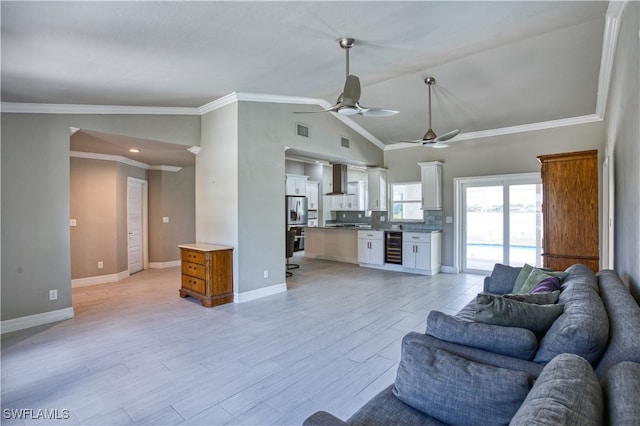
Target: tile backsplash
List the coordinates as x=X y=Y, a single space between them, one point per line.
x=432 y=221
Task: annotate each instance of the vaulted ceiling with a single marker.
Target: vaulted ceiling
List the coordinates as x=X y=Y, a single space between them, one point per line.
x=497 y=64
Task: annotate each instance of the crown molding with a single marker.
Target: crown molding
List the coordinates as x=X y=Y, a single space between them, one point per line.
x=609 y=43
x=31 y=108
x=109 y=157
x=123 y=160
x=543 y=125
x=261 y=97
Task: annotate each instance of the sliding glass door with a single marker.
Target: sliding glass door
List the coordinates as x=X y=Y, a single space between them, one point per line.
x=500 y=222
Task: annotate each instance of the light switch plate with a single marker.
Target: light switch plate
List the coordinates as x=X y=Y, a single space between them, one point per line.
x=165 y=219
x=449 y=219
x=73 y=222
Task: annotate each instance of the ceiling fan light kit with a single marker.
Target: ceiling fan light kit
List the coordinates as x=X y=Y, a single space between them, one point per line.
x=348 y=102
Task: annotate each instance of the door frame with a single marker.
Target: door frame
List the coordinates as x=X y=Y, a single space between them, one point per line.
x=145 y=220
x=458 y=204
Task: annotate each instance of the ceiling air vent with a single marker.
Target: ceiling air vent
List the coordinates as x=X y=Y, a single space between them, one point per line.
x=344 y=142
x=302 y=130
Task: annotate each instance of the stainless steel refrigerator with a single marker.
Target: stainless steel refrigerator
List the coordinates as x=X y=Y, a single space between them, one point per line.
x=296 y=208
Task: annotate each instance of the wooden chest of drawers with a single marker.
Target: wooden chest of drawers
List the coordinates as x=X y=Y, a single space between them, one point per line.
x=207 y=273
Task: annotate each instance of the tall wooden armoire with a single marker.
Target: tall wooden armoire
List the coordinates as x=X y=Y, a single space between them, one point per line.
x=570 y=209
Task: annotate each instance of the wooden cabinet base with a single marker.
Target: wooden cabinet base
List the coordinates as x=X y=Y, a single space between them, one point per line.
x=207 y=301
x=207 y=273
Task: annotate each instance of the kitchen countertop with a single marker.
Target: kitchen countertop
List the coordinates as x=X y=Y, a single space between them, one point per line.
x=365 y=228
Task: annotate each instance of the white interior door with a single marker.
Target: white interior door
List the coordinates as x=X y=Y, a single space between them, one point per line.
x=134 y=226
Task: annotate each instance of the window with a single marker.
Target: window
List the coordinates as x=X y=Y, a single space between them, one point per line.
x=406 y=202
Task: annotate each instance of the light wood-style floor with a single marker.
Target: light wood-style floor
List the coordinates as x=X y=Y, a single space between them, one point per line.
x=136 y=353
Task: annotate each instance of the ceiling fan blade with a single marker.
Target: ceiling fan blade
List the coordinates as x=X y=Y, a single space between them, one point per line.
x=417 y=142
x=351 y=92
x=447 y=136
x=332 y=108
x=376 y=112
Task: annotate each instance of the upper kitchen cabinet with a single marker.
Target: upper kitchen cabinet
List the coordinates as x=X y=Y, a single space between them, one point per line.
x=296 y=185
x=431 y=176
x=312 y=194
x=377 y=189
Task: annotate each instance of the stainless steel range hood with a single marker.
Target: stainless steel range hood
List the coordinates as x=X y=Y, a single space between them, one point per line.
x=339 y=180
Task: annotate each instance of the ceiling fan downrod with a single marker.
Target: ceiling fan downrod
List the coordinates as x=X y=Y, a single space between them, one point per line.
x=347 y=43
x=430 y=135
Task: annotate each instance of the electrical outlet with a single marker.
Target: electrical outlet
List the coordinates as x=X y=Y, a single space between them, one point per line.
x=53 y=294
x=100 y=264
x=266 y=273
x=165 y=219
x=73 y=222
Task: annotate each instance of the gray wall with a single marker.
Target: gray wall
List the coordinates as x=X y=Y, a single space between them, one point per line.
x=171 y=194
x=623 y=143
x=36 y=200
x=97 y=188
x=489 y=156
x=240 y=173
x=264 y=130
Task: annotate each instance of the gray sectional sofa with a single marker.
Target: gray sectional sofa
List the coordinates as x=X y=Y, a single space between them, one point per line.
x=585 y=369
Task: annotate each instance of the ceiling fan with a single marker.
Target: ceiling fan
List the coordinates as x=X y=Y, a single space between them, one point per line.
x=430 y=138
x=348 y=102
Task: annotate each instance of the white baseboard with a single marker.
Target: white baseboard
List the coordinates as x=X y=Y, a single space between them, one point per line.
x=99 y=279
x=448 y=269
x=21 y=323
x=162 y=265
x=103 y=279
x=259 y=293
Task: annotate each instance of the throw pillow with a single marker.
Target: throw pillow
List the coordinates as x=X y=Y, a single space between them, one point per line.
x=491 y=309
x=510 y=341
x=546 y=285
x=538 y=275
x=455 y=390
x=521 y=278
x=567 y=392
x=541 y=298
x=502 y=279
x=529 y=276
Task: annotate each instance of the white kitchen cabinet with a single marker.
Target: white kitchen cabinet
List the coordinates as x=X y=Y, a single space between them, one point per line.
x=357 y=195
x=431 y=176
x=338 y=202
x=377 y=190
x=349 y=202
x=421 y=250
x=312 y=195
x=371 y=247
x=296 y=185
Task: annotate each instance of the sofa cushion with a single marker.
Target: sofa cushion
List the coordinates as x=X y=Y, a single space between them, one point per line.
x=583 y=327
x=502 y=279
x=498 y=310
x=385 y=409
x=455 y=390
x=542 y=298
x=511 y=341
x=624 y=315
x=567 y=392
x=621 y=388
